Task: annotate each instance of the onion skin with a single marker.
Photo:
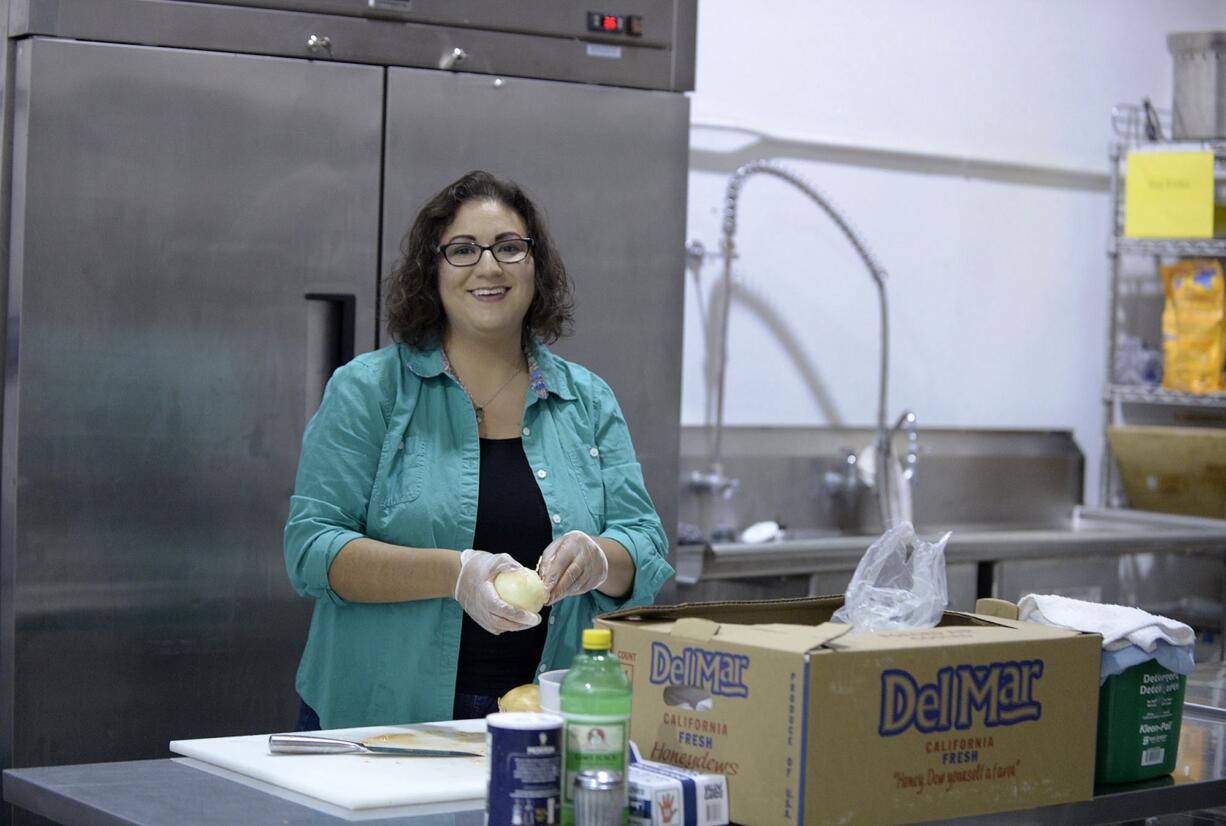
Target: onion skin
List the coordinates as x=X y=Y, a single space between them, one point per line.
x=521 y=698
x=521 y=588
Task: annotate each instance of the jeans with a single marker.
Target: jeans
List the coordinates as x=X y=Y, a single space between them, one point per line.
x=308 y=720
x=473 y=706
x=467 y=707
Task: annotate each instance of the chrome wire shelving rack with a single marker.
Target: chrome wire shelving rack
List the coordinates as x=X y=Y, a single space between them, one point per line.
x=1151 y=394
x=1134 y=127
x=1171 y=247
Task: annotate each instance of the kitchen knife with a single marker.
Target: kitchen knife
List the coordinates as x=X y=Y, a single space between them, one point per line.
x=310 y=744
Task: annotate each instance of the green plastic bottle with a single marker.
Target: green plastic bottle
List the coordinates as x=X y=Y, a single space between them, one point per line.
x=595 y=703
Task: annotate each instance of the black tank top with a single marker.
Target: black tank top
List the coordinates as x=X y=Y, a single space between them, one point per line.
x=511 y=519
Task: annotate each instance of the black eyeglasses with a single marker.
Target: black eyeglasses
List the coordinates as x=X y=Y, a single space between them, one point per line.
x=468 y=253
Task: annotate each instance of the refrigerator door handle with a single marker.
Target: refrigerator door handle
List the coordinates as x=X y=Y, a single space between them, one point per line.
x=331 y=331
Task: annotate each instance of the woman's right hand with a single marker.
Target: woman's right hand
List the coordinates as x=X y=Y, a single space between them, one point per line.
x=474 y=590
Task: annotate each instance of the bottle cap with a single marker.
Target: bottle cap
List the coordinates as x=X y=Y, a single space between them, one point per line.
x=601 y=779
x=598 y=638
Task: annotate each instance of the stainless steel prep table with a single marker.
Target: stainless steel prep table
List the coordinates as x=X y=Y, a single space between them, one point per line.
x=156 y=792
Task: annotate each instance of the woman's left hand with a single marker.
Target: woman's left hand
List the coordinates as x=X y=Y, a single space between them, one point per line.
x=573 y=564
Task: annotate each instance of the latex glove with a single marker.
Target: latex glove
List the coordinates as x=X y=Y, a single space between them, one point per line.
x=572 y=564
x=474 y=590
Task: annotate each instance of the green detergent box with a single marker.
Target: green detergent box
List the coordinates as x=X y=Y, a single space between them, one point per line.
x=1139 y=713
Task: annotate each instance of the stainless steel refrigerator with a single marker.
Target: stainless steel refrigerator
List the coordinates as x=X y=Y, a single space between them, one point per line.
x=200 y=199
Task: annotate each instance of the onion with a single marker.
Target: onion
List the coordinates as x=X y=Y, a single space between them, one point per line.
x=521 y=698
x=522 y=588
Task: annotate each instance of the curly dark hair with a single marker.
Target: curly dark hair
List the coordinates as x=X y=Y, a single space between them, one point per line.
x=414 y=309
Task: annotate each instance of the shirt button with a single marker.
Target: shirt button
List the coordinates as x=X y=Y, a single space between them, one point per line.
x=551 y=619
x=527 y=431
x=557 y=519
x=594 y=452
x=542 y=473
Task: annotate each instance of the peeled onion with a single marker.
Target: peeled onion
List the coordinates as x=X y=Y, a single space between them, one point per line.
x=522 y=588
x=521 y=698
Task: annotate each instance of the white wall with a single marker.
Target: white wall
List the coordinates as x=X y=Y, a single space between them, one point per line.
x=998 y=271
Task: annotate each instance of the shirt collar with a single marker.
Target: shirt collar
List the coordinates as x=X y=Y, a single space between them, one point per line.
x=544 y=373
x=547 y=375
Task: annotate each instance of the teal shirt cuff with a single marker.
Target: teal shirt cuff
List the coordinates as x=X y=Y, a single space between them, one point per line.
x=319 y=544
x=650 y=572
x=333 y=546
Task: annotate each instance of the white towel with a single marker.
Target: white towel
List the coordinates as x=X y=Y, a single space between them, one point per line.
x=1120 y=625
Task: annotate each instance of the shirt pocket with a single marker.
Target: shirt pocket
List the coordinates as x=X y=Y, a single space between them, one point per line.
x=585 y=467
x=406 y=474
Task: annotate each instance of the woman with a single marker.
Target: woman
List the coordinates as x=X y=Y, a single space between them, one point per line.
x=465 y=449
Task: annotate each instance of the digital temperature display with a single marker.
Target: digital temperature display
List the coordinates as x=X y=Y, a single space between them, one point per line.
x=631 y=24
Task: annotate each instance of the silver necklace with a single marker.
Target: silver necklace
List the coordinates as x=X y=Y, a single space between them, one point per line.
x=479 y=409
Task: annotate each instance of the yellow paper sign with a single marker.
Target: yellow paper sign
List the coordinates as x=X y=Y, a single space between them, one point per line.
x=1169 y=195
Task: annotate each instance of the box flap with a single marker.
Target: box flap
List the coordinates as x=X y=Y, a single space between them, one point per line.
x=991 y=607
x=999 y=630
x=789 y=638
x=782 y=637
x=803 y=625
x=797 y=611
x=695 y=628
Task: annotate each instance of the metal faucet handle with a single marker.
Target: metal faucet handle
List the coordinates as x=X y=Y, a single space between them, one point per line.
x=695 y=253
x=320 y=43
x=449 y=59
x=906 y=423
x=846 y=480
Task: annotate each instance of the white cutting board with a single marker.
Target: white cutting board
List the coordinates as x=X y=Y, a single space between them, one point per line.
x=359 y=781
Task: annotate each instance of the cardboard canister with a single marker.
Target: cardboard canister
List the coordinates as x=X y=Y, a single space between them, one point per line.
x=524 y=768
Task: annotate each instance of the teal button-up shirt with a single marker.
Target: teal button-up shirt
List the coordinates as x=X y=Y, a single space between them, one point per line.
x=393 y=454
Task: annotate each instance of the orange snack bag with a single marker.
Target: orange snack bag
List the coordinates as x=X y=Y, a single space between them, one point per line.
x=1194 y=326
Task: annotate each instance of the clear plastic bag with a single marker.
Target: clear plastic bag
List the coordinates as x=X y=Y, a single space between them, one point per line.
x=899 y=583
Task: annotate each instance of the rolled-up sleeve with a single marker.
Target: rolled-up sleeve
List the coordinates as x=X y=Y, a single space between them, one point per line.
x=336 y=470
x=630 y=515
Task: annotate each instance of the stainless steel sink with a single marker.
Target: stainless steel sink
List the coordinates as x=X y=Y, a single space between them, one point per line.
x=1082 y=531
x=1013 y=500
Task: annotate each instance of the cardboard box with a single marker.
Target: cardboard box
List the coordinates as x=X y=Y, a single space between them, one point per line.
x=664 y=795
x=813 y=723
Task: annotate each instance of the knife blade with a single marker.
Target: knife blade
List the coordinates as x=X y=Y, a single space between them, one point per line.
x=311 y=744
